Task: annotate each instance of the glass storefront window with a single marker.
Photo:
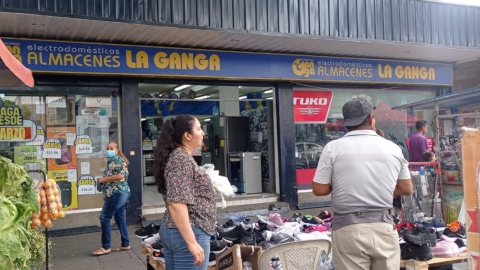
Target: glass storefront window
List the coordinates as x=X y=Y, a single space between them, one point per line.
x=64 y=136
x=396 y=125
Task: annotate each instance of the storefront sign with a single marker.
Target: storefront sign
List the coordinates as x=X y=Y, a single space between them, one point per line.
x=311 y=106
x=52 y=149
x=86 y=185
x=93 y=58
x=83 y=145
x=13 y=128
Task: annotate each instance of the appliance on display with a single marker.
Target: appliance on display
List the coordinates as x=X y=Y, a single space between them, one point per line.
x=148 y=177
x=227 y=134
x=245 y=171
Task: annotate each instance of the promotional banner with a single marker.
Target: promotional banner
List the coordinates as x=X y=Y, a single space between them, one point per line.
x=311 y=106
x=94 y=58
x=68 y=157
x=13 y=128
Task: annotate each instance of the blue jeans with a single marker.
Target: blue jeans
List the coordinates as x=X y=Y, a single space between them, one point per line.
x=177 y=255
x=114 y=206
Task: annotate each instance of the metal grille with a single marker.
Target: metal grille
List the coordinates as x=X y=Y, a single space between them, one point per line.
x=300 y=258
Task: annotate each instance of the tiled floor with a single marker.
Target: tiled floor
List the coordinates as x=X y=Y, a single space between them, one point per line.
x=153 y=202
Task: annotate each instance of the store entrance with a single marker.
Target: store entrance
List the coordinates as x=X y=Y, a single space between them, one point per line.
x=239 y=136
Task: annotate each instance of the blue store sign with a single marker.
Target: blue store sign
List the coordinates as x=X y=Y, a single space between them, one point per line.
x=89 y=58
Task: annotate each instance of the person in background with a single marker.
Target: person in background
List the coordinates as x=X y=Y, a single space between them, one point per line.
x=418 y=142
x=363 y=172
x=189 y=220
x=429 y=156
x=116 y=193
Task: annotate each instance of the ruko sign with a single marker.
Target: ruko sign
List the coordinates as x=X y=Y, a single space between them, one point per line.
x=311 y=106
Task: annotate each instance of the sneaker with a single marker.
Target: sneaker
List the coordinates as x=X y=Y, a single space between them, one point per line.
x=295 y=218
x=217 y=247
x=436 y=223
x=461 y=245
x=246 y=238
x=418 y=252
x=454 y=231
x=422 y=235
x=243 y=219
x=158 y=256
x=156 y=247
x=258 y=230
x=276 y=219
x=309 y=221
x=404 y=230
x=290 y=228
x=445 y=249
x=233 y=234
x=265 y=245
x=147 y=231
x=313 y=236
x=212 y=259
x=325 y=214
x=318 y=228
x=147 y=242
x=277 y=238
x=229 y=224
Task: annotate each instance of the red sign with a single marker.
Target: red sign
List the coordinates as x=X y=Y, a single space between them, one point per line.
x=430 y=143
x=311 y=106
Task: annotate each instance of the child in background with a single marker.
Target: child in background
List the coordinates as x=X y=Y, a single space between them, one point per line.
x=429 y=157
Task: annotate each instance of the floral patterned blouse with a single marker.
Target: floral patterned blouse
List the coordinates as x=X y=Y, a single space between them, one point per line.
x=116 y=165
x=187 y=183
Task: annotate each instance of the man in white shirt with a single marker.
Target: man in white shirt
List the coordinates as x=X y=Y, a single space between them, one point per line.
x=362 y=171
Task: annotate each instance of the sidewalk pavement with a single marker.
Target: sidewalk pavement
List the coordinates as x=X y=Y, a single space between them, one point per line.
x=74 y=252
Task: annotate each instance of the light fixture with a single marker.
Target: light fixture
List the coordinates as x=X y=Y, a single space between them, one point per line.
x=199 y=87
x=239 y=86
x=268 y=91
x=181 y=87
x=242 y=97
x=206 y=120
x=269 y=97
x=143 y=119
x=203 y=97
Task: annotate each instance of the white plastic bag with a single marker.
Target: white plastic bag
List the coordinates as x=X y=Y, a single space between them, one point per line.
x=220 y=183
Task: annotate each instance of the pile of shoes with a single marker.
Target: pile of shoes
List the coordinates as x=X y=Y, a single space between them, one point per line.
x=433 y=238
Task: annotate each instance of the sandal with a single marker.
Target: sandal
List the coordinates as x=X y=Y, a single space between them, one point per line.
x=101 y=251
x=122 y=248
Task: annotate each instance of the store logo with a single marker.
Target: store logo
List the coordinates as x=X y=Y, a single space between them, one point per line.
x=15 y=51
x=311 y=106
x=302 y=67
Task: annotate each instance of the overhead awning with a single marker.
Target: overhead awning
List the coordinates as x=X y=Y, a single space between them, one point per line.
x=452 y=100
x=17 y=68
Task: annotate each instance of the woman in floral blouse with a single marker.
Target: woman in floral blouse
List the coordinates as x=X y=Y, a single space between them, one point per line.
x=116 y=194
x=189 y=220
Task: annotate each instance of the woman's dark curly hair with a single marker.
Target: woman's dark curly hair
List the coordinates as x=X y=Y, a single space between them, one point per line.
x=170 y=138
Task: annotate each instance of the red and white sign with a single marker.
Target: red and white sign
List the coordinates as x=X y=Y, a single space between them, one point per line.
x=430 y=143
x=311 y=106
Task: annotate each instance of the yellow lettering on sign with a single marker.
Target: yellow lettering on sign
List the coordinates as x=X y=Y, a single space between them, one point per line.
x=141 y=59
x=31 y=56
x=384 y=72
x=215 y=62
x=160 y=59
x=55 y=60
x=200 y=61
x=187 y=61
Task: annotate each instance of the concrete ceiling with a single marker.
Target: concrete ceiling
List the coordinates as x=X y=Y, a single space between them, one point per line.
x=76 y=29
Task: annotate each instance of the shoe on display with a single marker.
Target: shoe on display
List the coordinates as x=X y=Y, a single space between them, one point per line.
x=436 y=223
x=233 y=234
x=147 y=242
x=422 y=235
x=445 y=249
x=461 y=245
x=411 y=251
x=158 y=256
x=217 y=247
x=454 y=231
x=230 y=223
x=325 y=215
x=276 y=219
x=258 y=230
x=246 y=238
x=296 y=217
x=313 y=236
x=290 y=228
x=277 y=238
x=265 y=245
x=156 y=247
x=147 y=231
x=318 y=228
x=309 y=221
x=212 y=259
x=243 y=219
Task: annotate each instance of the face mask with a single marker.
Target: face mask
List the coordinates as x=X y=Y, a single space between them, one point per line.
x=110 y=153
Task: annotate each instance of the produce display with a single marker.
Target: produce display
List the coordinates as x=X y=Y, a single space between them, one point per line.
x=51 y=206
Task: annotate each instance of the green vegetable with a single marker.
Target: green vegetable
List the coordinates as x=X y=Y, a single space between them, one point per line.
x=18 y=199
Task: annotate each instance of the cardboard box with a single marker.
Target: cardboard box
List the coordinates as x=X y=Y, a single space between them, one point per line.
x=69 y=157
x=233 y=258
x=90 y=201
x=470 y=169
x=68 y=189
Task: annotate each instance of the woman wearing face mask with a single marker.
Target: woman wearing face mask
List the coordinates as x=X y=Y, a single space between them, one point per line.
x=116 y=192
x=189 y=220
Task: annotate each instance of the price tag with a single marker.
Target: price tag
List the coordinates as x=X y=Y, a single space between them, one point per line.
x=71 y=138
x=52 y=149
x=83 y=145
x=147 y=145
x=86 y=190
x=72 y=175
x=56 y=101
x=86 y=185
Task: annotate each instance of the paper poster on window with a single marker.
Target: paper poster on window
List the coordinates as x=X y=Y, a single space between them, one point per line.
x=71 y=138
x=52 y=149
x=39 y=107
x=98 y=101
x=86 y=185
x=83 y=145
x=54 y=101
x=58 y=175
x=29 y=157
x=147 y=145
x=85 y=167
x=68 y=159
x=39 y=139
x=13 y=128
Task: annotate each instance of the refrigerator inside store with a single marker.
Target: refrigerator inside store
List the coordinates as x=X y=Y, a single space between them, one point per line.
x=227 y=134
